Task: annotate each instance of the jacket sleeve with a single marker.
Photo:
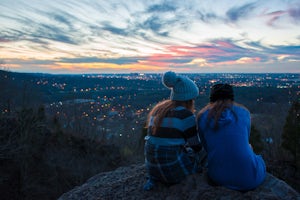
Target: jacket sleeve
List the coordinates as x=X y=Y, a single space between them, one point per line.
x=200 y=134
x=190 y=134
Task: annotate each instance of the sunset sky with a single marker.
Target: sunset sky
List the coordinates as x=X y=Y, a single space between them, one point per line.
x=115 y=36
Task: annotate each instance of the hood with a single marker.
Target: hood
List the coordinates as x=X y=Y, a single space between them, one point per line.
x=226 y=117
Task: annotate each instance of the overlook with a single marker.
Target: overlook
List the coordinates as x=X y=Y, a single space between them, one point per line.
x=57 y=131
x=126 y=183
x=78 y=80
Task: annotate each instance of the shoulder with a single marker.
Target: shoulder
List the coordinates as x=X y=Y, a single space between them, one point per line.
x=240 y=109
x=203 y=112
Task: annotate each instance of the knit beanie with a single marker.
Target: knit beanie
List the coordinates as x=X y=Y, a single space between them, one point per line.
x=221 y=92
x=182 y=88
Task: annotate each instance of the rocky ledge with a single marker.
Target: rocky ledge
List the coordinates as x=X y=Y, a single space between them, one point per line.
x=127 y=183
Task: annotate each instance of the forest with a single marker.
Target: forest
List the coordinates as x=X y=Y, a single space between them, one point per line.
x=50 y=143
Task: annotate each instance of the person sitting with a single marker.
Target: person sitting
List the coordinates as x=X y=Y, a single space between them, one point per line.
x=171 y=134
x=224 y=129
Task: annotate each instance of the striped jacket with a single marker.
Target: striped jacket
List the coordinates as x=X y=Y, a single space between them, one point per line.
x=165 y=156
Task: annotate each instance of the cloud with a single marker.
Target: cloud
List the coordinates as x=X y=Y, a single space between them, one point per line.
x=161 y=8
x=62 y=18
x=295 y=13
x=53 y=33
x=157 y=25
x=161 y=34
x=114 y=30
x=207 y=17
x=199 y=62
x=122 y=60
x=293 y=50
x=153 y=23
x=244 y=60
x=274 y=17
x=235 y=13
x=30 y=28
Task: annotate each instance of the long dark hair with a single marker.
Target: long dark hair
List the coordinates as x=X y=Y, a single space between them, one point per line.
x=162 y=108
x=215 y=110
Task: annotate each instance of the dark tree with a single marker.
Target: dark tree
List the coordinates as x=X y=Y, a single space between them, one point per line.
x=291 y=131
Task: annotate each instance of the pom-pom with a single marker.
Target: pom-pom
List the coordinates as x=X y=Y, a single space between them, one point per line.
x=169 y=79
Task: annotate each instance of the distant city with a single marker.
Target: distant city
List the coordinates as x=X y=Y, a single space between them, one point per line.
x=117 y=104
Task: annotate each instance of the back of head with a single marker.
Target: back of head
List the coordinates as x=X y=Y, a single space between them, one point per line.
x=221 y=97
x=182 y=88
x=221 y=92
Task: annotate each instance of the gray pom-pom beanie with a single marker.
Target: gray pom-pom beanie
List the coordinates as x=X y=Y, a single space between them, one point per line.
x=182 y=88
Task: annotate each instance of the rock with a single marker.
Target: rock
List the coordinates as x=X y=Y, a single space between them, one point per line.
x=127 y=183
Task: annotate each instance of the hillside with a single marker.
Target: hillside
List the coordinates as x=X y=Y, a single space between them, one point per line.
x=57 y=131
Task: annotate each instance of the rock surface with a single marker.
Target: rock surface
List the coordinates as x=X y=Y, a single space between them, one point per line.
x=127 y=183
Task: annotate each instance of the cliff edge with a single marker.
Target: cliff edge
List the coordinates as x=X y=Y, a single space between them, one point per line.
x=127 y=183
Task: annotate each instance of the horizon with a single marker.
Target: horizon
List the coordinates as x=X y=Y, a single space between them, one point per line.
x=117 y=37
x=147 y=73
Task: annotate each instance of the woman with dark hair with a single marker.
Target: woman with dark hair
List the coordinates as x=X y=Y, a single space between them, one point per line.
x=171 y=128
x=224 y=129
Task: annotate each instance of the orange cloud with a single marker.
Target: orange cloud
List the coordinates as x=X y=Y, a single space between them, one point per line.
x=245 y=60
x=201 y=62
x=205 y=50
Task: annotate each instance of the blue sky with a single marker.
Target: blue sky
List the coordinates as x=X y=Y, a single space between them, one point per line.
x=97 y=36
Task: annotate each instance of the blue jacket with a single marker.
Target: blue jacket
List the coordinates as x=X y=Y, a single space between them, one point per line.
x=231 y=161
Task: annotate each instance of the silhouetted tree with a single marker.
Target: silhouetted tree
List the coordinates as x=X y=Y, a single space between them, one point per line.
x=41 y=115
x=57 y=130
x=37 y=163
x=5 y=98
x=291 y=132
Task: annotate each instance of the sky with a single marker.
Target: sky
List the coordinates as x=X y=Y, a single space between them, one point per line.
x=116 y=36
